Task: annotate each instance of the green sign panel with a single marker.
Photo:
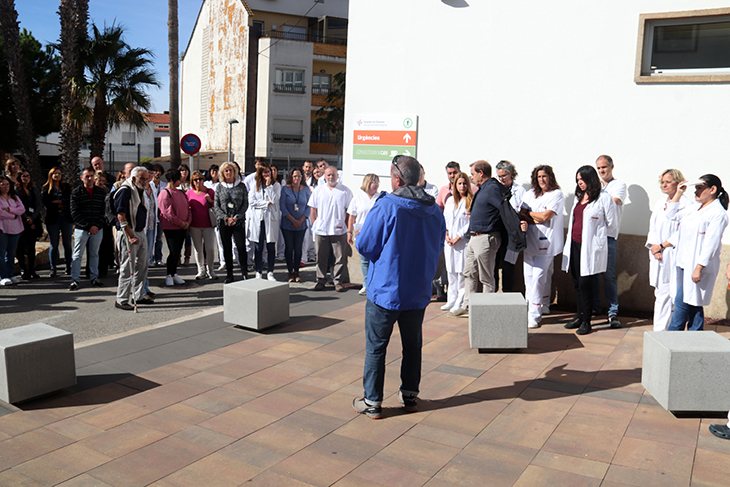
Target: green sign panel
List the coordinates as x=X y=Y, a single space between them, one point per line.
x=381 y=152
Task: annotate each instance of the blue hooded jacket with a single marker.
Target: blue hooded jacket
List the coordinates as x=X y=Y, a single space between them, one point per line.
x=402 y=237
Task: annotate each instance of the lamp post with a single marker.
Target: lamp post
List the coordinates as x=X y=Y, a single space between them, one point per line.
x=230 y=136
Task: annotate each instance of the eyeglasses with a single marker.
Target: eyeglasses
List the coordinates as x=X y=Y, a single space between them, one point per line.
x=25 y=175
x=198 y=179
x=395 y=163
x=504 y=177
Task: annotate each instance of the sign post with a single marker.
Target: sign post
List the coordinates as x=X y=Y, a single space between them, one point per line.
x=190 y=144
x=378 y=138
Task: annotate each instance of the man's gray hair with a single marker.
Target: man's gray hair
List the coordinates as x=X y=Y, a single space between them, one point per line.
x=410 y=170
x=507 y=166
x=138 y=169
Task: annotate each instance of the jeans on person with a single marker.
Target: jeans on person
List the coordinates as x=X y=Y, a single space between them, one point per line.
x=685 y=314
x=80 y=239
x=364 y=265
x=259 y=251
x=8 y=243
x=378 y=329
x=150 y=234
x=175 y=240
x=65 y=229
x=158 y=243
x=610 y=285
x=293 y=240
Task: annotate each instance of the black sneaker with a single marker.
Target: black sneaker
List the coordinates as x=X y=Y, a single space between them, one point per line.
x=573 y=324
x=614 y=322
x=74 y=286
x=319 y=287
x=97 y=283
x=124 y=306
x=410 y=402
x=362 y=407
x=585 y=328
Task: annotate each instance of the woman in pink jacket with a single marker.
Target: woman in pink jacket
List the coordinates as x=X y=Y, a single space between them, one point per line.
x=175 y=218
x=11 y=226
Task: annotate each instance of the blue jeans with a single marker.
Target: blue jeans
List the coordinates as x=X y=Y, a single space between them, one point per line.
x=65 y=228
x=610 y=285
x=8 y=242
x=685 y=314
x=150 y=234
x=80 y=238
x=293 y=247
x=378 y=328
x=158 y=243
x=364 y=265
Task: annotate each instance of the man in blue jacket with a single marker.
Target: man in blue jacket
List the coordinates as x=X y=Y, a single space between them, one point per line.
x=402 y=237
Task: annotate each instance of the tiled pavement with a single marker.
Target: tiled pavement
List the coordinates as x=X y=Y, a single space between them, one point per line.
x=273 y=409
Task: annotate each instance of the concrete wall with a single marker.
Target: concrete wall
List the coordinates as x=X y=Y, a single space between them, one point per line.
x=333 y=8
x=539 y=82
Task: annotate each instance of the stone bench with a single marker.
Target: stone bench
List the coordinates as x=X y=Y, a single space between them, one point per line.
x=256 y=304
x=35 y=360
x=687 y=370
x=497 y=320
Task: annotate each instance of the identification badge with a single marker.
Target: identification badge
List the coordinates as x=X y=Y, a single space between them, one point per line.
x=296 y=207
x=230 y=205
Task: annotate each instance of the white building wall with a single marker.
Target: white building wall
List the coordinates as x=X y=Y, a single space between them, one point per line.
x=534 y=82
x=288 y=55
x=333 y=8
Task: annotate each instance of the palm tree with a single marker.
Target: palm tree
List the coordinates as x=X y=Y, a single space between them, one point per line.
x=74 y=16
x=172 y=39
x=113 y=88
x=18 y=85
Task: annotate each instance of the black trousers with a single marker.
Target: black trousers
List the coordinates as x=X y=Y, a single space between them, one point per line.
x=25 y=251
x=175 y=240
x=237 y=232
x=585 y=286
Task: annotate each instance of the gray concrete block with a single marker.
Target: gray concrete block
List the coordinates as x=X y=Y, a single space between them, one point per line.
x=687 y=370
x=35 y=360
x=497 y=320
x=256 y=303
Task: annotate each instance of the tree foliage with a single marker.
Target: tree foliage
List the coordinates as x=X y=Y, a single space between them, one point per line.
x=43 y=71
x=331 y=118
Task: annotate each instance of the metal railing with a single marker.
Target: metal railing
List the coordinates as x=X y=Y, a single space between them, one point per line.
x=287 y=138
x=294 y=36
x=289 y=88
x=320 y=90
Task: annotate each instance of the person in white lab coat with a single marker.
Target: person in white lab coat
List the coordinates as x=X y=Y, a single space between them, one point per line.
x=506 y=174
x=264 y=218
x=542 y=208
x=661 y=258
x=456 y=214
x=585 y=253
x=698 y=243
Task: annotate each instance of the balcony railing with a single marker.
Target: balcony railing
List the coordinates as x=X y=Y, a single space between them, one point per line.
x=293 y=36
x=291 y=138
x=317 y=90
x=323 y=138
x=289 y=88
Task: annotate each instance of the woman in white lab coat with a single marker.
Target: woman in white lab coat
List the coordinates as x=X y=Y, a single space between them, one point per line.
x=661 y=258
x=264 y=219
x=542 y=209
x=456 y=214
x=698 y=242
x=585 y=253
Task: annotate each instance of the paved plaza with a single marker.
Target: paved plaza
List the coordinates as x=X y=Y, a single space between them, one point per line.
x=201 y=403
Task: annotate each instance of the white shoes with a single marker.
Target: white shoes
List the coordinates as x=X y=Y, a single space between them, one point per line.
x=212 y=275
x=270 y=276
x=458 y=312
x=6 y=282
x=259 y=276
x=178 y=280
x=532 y=322
x=168 y=281
x=363 y=291
x=447 y=307
x=221 y=267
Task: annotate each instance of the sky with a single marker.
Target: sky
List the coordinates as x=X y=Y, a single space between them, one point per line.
x=145 y=23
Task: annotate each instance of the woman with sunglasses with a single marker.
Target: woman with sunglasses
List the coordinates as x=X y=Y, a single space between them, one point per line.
x=201 y=200
x=661 y=258
x=32 y=227
x=264 y=217
x=698 y=243
x=56 y=197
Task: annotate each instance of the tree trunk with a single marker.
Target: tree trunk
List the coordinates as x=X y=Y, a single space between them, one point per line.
x=19 y=88
x=172 y=39
x=99 y=124
x=74 y=17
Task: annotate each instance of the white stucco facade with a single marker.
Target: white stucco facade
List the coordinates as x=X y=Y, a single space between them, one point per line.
x=534 y=83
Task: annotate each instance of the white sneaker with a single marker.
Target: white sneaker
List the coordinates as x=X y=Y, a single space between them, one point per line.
x=6 y=282
x=168 y=281
x=458 y=312
x=212 y=275
x=14 y=280
x=270 y=276
x=221 y=267
x=447 y=307
x=532 y=323
x=258 y=275
x=177 y=280
x=363 y=291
